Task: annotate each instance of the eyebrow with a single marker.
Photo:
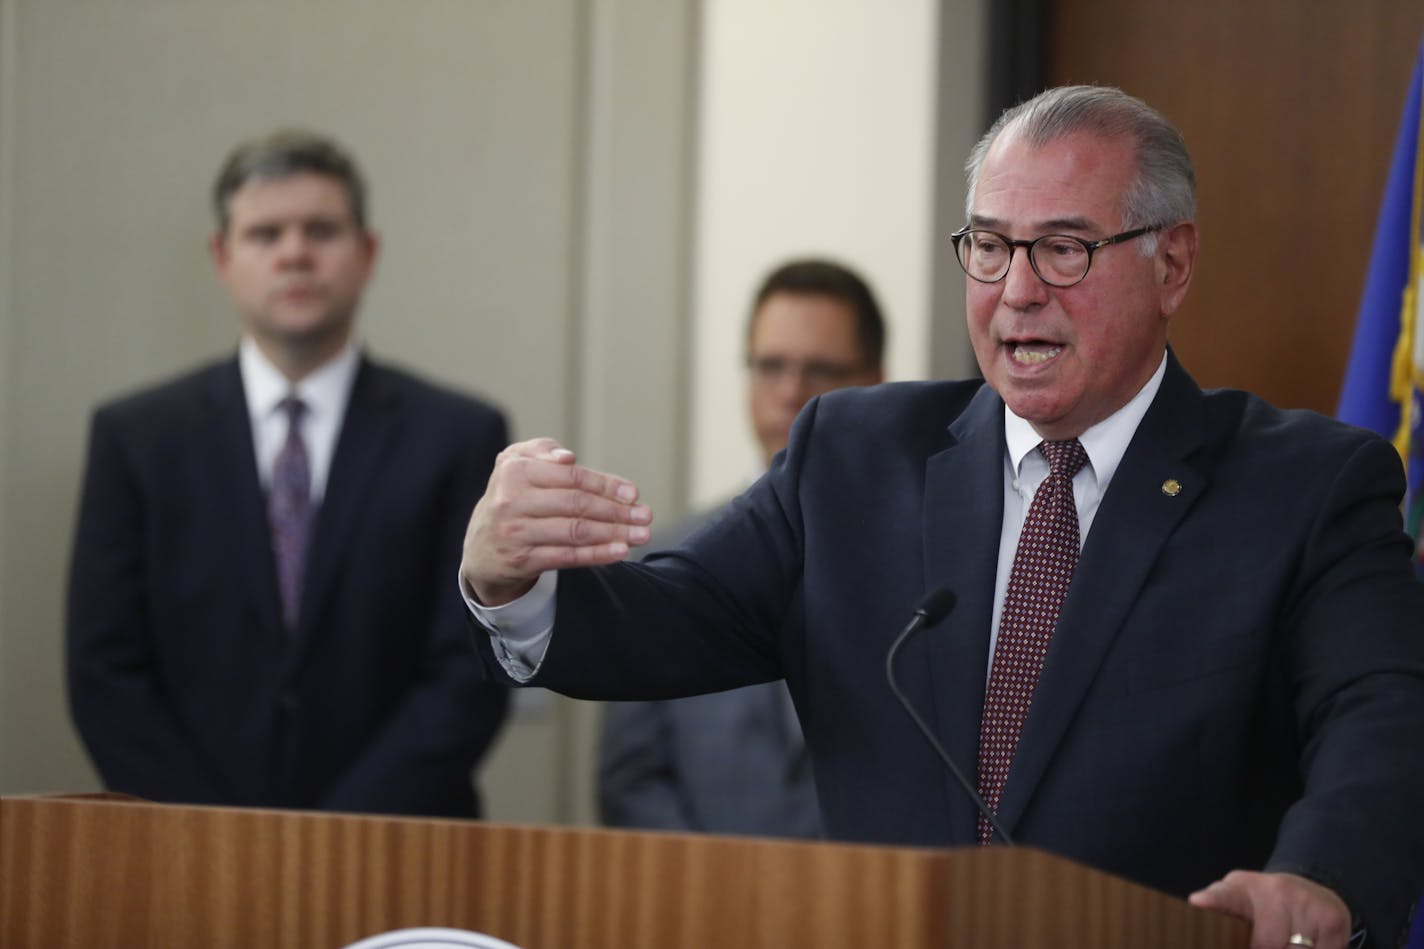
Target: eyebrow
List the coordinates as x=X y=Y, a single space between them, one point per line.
x=1051 y=226
x=280 y=220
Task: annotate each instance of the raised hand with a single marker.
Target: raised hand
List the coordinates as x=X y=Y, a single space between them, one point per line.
x=543 y=511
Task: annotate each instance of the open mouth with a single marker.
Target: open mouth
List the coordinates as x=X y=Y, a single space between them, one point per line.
x=1033 y=353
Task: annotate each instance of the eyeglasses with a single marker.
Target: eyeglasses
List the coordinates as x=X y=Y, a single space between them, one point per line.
x=768 y=371
x=1059 y=259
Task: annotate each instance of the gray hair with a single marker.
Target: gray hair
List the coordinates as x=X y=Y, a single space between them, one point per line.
x=1164 y=191
x=284 y=153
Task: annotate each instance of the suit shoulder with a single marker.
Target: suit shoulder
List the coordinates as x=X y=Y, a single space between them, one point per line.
x=1312 y=452
x=169 y=399
x=435 y=397
x=901 y=419
x=893 y=406
x=1293 y=435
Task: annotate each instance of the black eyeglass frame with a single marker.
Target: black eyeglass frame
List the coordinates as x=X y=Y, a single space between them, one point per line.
x=1088 y=246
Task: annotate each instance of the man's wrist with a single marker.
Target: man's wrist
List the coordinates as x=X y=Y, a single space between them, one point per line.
x=493 y=598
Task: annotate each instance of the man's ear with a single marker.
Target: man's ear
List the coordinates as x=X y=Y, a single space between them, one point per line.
x=1176 y=262
x=371 y=248
x=217 y=250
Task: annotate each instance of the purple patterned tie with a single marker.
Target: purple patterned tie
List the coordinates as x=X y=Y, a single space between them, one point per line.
x=289 y=510
x=1043 y=567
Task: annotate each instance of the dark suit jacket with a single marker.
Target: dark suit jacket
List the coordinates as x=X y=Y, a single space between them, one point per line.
x=183 y=681
x=1236 y=681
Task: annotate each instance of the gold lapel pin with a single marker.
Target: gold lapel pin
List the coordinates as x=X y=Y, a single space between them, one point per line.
x=1171 y=487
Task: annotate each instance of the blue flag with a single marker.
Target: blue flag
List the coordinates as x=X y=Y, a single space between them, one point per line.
x=1385 y=378
x=1384 y=383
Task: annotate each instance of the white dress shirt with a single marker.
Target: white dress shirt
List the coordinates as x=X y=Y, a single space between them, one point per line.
x=325 y=393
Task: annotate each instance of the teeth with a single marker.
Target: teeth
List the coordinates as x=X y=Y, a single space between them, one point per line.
x=1025 y=355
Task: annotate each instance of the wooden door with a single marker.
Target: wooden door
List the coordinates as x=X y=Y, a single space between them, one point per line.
x=1290 y=109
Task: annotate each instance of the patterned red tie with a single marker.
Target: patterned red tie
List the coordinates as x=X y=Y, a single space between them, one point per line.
x=289 y=511
x=1043 y=567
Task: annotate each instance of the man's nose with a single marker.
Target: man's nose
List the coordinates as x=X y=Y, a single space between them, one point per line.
x=294 y=247
x=1022 y=286
x=793 y=386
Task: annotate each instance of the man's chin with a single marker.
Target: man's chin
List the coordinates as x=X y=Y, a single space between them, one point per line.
x=306 y=336
x=770 y=447
x=1038 y=406
x=305 y=323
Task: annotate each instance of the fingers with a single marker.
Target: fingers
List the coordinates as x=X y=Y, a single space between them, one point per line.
x=543 y=463
x=1225 y=896
x=1279 y=906
x=542 y=511
x=538 y=501
x=576 y=484
x=586 y=511
x=538 y=448
x=550 y=542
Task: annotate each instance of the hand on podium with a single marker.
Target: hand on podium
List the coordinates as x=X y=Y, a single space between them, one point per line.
x=1282 y=908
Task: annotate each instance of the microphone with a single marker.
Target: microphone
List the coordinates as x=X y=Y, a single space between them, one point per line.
x=933 y=608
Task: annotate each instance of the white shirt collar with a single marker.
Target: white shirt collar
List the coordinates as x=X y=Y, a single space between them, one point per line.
x=1106 y=442
x=324 y=391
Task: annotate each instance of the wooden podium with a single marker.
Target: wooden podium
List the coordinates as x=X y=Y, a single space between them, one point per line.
x=95 y=871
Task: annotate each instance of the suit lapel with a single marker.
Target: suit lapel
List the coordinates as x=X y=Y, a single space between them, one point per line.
x=367 y=431
x=242 y=507
x=1136 y=517
x=964 y=501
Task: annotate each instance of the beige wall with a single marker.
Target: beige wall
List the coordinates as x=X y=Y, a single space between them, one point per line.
x=818 y=136
x=532 y=167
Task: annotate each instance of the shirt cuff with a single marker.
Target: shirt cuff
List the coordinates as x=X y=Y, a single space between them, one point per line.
x=519 y=630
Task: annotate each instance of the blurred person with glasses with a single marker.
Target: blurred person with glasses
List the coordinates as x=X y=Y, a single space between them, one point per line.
x=735 y=762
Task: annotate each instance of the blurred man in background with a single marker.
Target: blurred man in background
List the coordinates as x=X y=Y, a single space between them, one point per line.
x=259 y=609
x=735 y=762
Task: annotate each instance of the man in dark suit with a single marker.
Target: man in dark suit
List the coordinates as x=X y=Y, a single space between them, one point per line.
x=259 y=607
x=1221 y=698
x=735 y=762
